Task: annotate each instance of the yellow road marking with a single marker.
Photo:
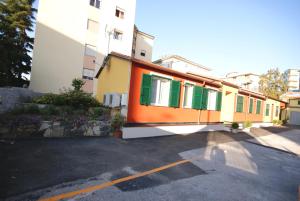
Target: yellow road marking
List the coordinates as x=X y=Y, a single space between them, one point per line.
x=111 y=183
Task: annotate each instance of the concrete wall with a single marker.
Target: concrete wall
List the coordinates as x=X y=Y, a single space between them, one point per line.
x=11 y=97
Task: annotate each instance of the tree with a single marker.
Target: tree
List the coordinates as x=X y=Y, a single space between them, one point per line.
x=16 y=21
x=272 y=83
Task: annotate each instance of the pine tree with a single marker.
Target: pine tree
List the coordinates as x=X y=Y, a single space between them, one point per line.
x=272 y=83
x=16 y=20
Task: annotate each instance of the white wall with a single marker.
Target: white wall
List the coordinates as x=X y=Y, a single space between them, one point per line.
x=184 y=67
x=59 y=44
x=61 y=35
x=143 y=43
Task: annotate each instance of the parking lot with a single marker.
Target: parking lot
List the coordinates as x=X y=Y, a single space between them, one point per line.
x=202 y=166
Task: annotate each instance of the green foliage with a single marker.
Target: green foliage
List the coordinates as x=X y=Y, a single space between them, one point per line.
x=272 y=83
x=69 y=98
x=278 y=122
x=117 y=122
x=96 y=112
x=49 y=110
x=235 y=125
x=16 y=20
x=77 y=84
x=26 y=109
x=247 y=124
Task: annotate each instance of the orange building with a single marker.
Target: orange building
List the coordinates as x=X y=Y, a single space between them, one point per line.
x=161 y=95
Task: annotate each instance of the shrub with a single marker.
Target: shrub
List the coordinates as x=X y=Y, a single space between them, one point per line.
x=69 y=98
x=98 y=111
x=247 y=124
x=31 y=109
x=50 y=110
x=277 y=122
x=117 y=122
x=235 y=125
x=284 y=121
x=45 y=99
x=77 y=84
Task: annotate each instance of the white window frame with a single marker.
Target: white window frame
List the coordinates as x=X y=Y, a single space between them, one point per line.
x=119 y=34
x=211 y=100
x=120 y=10
x=158 y=93
x=192 y=85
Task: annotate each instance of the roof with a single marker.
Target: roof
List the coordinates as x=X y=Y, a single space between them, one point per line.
x=106 y=59
x=205 y=79
x=143 y=33
x=242 y=74
x=181 y=59
x=188 y=76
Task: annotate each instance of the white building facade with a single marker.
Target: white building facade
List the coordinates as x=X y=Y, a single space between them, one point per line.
x=73 y=37
x=183 y=65
x=248 y=81
x=292 y=78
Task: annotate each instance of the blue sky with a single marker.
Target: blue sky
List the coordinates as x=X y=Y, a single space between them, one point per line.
x=226 y=35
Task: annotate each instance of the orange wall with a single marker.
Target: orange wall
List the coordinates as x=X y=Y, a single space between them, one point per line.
x=245 y=116
x=138 y=113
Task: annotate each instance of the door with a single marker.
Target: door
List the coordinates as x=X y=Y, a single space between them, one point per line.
x=295 y=118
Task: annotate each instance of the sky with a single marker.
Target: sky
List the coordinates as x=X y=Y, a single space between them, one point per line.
x=225 y=35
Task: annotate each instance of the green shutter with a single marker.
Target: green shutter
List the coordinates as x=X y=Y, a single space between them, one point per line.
x=219 y=101
x=174 y=94
x=258 y=106
x=204 y=99
x=145 y=98
x=197 y=97
x=240 y=104
x=251 y=106
x=267 y=109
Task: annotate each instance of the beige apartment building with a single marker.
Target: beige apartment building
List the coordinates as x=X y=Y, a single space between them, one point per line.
x=248 y=81
x=73 y=38
x=292 y=77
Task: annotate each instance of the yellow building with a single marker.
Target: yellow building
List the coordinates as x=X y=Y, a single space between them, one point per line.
x=293 y=111
x=271 y=110
x=113 y=78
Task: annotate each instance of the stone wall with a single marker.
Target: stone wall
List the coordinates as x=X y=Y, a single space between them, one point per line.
x=12 y=96
x=55 y=129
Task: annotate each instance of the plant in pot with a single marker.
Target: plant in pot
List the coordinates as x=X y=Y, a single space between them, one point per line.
x=234 y=127
x=116 y=125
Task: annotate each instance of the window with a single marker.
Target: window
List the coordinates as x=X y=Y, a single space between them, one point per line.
x=160 y=91
x=188 y=96
x=298 y=102
x=119 y=13
x=258 y=106
x=95 y=3
x=88 y=74
x=277 y=111
x=92 y=26
x=212 y=100
x=143 y=53
x=239 y=104
x=267 y=109
x=118 y=35
x=250 y=105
